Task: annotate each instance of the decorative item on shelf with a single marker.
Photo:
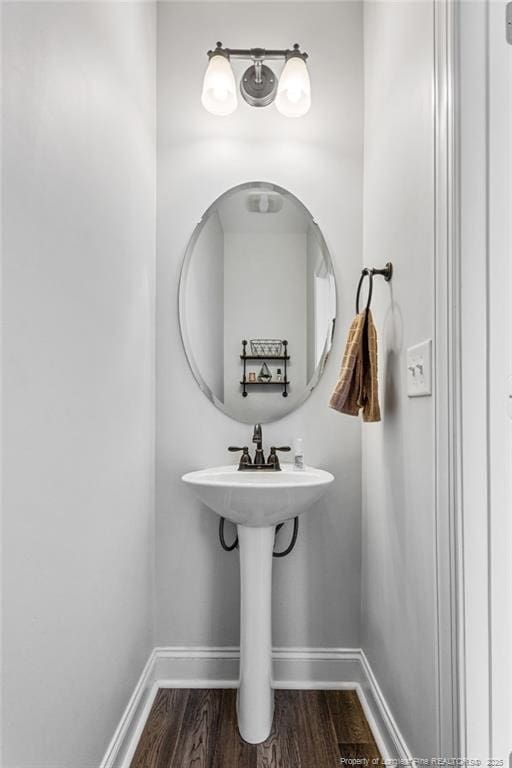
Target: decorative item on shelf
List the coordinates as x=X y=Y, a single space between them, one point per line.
x=266 y=347
x=252 y=377
x=279 y=375
x=264 y=375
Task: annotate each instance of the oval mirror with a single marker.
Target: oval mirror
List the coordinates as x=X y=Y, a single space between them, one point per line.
x=257 y=303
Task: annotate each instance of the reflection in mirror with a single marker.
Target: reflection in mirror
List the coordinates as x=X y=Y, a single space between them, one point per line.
x=257 y=270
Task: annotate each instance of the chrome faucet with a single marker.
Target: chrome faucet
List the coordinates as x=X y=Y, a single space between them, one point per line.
x=246 y=463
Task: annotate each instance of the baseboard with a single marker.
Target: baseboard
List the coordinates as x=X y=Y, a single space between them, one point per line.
x=294 y=668
x=386 y=723
x=120 y=750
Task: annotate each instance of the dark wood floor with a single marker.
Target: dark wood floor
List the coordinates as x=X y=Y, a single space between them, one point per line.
x=196 y=728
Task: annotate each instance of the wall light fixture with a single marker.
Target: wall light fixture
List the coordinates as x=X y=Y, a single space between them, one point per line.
x=259 y=85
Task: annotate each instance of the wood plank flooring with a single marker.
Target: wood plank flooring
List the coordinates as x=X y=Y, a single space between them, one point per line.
x=197 y=728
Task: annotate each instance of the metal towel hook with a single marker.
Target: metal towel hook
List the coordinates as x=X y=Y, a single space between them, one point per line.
x=386 y=272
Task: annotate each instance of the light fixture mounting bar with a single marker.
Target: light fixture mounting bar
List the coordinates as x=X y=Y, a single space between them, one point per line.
x=258 y=54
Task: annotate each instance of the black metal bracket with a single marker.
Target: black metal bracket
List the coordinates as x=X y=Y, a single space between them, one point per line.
x=369 y=272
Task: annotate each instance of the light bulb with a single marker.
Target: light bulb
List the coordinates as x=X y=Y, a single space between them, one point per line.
x=264 y=203
x=294 y=89
x=294 y=94
x=219 y=87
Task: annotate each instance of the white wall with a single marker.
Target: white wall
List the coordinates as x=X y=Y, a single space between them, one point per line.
x=398 y=617
x=78 y=274
x=319 y=159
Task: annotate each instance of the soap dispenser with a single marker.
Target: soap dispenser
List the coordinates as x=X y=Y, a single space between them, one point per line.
x=299 y=454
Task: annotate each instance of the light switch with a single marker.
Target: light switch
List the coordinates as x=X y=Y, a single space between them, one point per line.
x=419 y=369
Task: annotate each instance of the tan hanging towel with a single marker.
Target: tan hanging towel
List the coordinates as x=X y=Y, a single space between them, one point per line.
x=357 y=385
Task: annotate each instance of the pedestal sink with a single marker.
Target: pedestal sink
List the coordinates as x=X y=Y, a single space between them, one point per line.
x=257 y=502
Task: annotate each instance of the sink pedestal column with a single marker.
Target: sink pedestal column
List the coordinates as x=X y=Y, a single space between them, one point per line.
x=255 y=703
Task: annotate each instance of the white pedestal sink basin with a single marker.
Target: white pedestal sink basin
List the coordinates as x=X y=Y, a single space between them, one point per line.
x=257 y=501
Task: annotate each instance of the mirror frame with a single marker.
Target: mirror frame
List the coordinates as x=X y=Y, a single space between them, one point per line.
x=319 y=369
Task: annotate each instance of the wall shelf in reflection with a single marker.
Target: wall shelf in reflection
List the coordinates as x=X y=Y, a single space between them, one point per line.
x=284 y=383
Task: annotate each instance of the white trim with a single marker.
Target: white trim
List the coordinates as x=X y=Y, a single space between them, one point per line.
x=472 y=184
x=499 y=207
x=135 y=715
x=473 y=589
x=197 y=652
x=323 y=654
x=296 y=668
x=197 y=683
x=123 y=757
x=388 y=723
x=484 y=83
x=313 y=685
x=447 y=391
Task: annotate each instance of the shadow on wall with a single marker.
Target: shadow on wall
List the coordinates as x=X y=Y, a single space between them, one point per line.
x=392 y=340
x=392 y=435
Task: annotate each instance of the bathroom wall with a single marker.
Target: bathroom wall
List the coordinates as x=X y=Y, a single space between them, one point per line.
x=398 y=616
x=78 y=338
x=319 y=159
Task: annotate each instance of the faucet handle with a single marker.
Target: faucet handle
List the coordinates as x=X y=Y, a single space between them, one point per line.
x=273 y=459
x=245 y=458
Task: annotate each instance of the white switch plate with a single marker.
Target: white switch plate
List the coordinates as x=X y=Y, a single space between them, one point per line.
x=419 y=369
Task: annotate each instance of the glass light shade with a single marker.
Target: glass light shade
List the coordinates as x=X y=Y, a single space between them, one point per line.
x=294 y=90
x=219 y=87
